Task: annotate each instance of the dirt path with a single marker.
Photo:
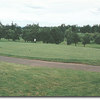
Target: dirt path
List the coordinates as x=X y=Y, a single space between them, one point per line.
x=50 y=64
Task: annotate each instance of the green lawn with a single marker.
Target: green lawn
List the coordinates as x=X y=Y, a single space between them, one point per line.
x=20 y=80
x=52 y=52
x=91 y=45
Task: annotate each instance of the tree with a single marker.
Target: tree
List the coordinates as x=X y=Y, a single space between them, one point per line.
x=16 y=31
x=11 y=34
x=30 y=32
x=26 y=35
x=97 y=39
x=1 y=26
x=86 y=39
x=75 y=38
x=86 y=29
x=45 y=35
x=95 y=28
x=69 y=39
x=62 y=28
x=74 y=28
x=69 y=36
x=57 y=35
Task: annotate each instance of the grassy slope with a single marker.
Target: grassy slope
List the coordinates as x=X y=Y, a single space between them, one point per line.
x=51 y=52
x=20 y=80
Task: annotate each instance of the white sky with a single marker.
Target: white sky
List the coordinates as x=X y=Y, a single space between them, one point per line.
x=50 y=12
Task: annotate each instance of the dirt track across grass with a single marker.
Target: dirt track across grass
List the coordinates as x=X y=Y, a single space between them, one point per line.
x=50 y=64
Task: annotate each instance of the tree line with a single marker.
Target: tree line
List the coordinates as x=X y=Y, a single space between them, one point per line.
x=57 y=34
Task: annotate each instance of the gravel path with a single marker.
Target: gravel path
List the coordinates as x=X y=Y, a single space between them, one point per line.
x=50 y=64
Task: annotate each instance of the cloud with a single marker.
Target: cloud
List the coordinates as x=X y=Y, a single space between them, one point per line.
x=50 y=12
x=35 y=7
x=95 y=11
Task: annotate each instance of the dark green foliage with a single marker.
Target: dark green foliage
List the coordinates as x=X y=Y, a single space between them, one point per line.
x=57 y=35
x=68 y=35
x=95 y=29
x=86 y=39
x=62 y=28
x=1 y=30
x=30 y=32
x=49 y=34
x=75 y=38
x=97 y=39
x=11 y=32
x=75 y=28
x=71 y=37
x=26 y=35
x=86 y=29
x=45 y=35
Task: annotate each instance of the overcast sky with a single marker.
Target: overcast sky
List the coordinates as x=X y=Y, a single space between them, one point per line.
x=50 y=12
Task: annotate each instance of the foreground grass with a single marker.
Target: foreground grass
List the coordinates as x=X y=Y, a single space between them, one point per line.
x=51 y=52
x=20 y=80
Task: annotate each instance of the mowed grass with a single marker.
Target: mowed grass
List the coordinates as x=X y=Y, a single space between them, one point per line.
x=51 y=52
x=21 y=80
x=91 y=45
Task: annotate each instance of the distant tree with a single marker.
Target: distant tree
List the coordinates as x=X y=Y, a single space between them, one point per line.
x=0 y=35
x=74 y=28
x=0 y=30
x=11 y=34
x=49 y=34
x=68 y=31
x=93 y=36
x=69 y=39
x=26 y=35
x=86 y=39
x=33 y=32
x=95 y=28
x=62 y=28
x=75 y=38
x=86 y=29
x=17 y=31
x=30 y=32
x=57 y=35
x=69 y=36
x=97 y=39
x=99 y=28
x=45 y=35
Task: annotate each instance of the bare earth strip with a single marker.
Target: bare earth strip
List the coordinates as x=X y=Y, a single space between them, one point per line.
x=50 y=64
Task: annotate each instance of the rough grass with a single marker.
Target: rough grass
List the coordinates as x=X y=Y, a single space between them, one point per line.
x=20 y=80
x=51 y=52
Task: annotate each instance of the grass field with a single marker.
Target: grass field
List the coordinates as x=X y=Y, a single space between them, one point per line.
x=20 y=80
x=52 y=52
x=91 y=45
